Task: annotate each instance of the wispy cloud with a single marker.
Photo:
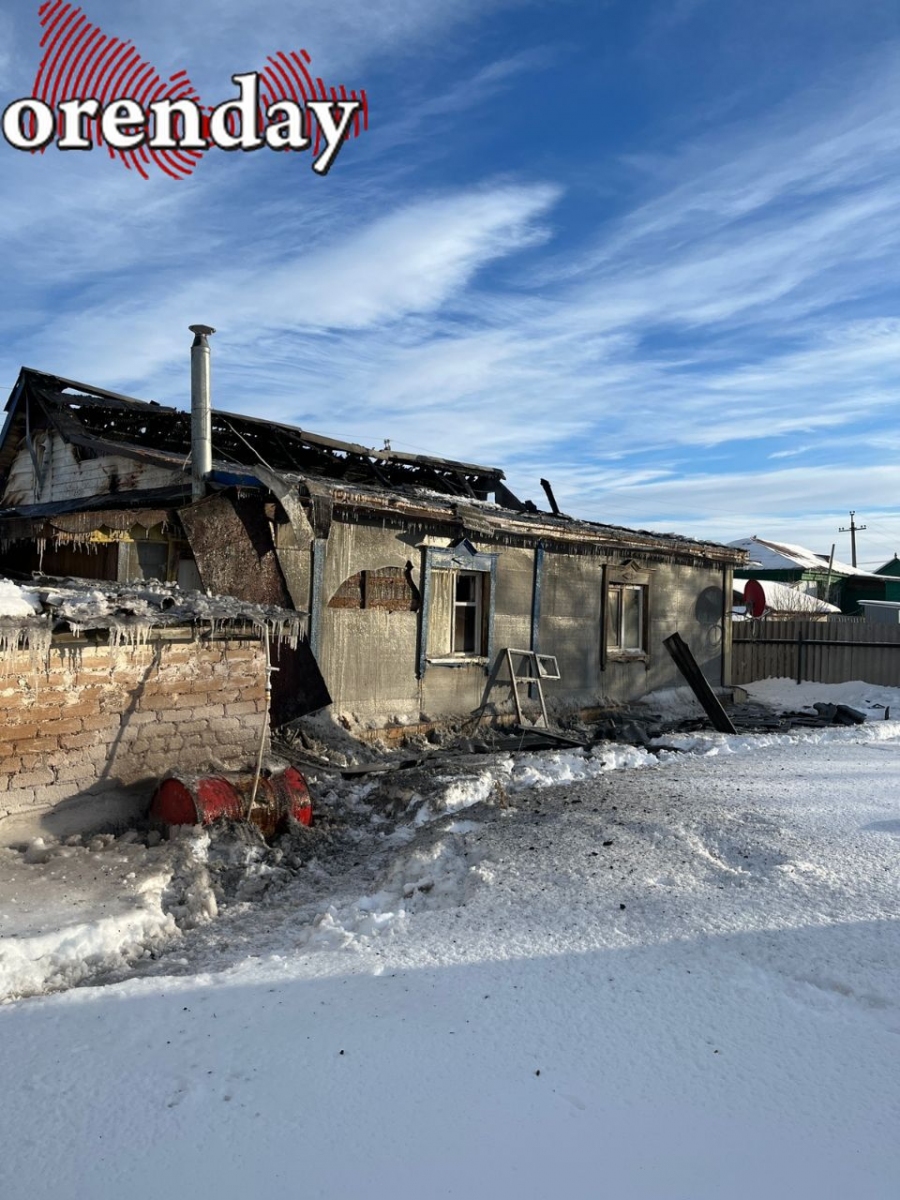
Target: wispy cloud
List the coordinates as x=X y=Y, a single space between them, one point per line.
x=214 y=41
x=413 y=261
x=423 y=113
x=740 y=305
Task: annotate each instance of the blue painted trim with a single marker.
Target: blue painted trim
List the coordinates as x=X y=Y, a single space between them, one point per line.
x=604 y=615
x=492 y=600
x=317 y=600
x=424 y=612
x=235 y=479
x=463 y=557
x=536 y=607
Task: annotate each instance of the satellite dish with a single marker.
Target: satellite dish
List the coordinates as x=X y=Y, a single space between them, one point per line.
x=755 y=598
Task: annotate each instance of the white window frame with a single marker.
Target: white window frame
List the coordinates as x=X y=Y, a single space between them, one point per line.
x=478 y=604
x=614 y=647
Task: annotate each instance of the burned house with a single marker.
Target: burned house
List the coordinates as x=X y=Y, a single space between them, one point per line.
x=417 y=572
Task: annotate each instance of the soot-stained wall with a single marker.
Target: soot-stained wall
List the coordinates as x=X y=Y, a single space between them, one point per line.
x=371 y=656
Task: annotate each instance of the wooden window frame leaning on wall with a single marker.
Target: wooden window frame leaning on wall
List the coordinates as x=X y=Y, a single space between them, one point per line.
x=459 y=589
x=626 y=586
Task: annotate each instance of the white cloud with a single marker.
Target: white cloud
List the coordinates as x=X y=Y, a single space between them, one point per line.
x=215 y=39
x=414 y=260
x=723 y=310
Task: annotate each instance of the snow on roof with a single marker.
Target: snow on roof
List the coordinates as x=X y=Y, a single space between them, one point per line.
x=16 y=601
x=780 y=598
x=786 y=556
x=128 y=610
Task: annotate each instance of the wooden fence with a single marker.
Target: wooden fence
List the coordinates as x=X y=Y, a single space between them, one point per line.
x=832 y=651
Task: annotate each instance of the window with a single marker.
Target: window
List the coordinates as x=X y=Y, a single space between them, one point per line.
x=143 y=560
x=627 y=616
x=457 y=611
x=456 y=625
x=625 y=628
x=467 y=607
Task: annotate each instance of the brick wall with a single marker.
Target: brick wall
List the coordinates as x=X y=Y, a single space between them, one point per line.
x=86 y=736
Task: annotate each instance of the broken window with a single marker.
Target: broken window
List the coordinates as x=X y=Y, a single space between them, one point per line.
x=467 y=609
x=627 y=604
x=143 y=560
x=456 y=625
x=186 y=574
x=458 y=610
x=627 y=615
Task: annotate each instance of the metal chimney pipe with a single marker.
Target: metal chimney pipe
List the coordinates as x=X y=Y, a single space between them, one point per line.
x=201 y=422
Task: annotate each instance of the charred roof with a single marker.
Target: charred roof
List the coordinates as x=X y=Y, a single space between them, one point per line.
x=109 y=423
x=249 y=452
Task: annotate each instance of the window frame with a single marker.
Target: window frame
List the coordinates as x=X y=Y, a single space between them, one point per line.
x=615 y=639
x=458 y=559
x=478 y=605
x=622 y=579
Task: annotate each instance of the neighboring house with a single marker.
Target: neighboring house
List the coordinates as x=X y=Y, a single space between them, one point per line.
x=416 y=571
x=794 y=566
x=891 y=568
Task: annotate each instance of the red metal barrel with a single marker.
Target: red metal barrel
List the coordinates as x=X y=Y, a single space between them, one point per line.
x=201 y=799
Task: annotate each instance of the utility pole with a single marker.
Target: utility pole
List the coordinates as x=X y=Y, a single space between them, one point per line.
x=852 y=531
x=830 y=570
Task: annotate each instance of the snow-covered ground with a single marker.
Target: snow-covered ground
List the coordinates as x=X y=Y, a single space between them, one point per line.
x=674 y=982
x=871 y=699
x=70 y=910
x=786 y=695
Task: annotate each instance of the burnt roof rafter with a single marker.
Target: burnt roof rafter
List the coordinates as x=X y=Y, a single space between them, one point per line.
x=384 y=485
x=109 y=422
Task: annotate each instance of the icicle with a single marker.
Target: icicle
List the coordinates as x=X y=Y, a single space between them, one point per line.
x=39 y=643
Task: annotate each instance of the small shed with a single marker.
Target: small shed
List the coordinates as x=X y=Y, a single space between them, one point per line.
x=883 y=612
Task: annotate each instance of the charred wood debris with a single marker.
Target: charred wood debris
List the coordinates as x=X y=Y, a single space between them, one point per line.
x=469 y=746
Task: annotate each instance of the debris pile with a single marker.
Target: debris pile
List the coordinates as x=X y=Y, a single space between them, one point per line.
x=750 y=717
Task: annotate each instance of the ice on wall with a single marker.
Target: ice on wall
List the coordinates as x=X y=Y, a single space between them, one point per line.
x=129 y=612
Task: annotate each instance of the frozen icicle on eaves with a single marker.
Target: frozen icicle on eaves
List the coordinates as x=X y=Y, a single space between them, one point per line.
x=39 y=642
x=33 y=636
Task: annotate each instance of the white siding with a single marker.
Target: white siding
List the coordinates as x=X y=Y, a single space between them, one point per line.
x=65 y=478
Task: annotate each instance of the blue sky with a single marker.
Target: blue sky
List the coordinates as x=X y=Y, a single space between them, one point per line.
x=645 y=249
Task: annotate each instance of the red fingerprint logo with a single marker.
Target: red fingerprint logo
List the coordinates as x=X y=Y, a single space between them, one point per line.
x=81 y=62
x=287 y=77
